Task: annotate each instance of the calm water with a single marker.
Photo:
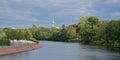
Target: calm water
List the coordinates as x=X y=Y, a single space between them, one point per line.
x=64 y=51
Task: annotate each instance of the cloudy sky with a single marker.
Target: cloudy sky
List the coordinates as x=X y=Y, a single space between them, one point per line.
x=25 y=13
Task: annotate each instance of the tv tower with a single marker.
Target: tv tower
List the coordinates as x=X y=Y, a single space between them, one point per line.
x=53 y=22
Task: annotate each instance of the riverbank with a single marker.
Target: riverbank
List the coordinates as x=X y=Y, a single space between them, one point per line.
x=17 y=46
x=18 y=49
x=15 y=43
x=52 y=50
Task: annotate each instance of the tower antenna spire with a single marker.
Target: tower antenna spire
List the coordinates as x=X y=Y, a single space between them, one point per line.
x=53 y=22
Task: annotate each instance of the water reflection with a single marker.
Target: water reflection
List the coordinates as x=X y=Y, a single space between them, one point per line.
x=65 y=51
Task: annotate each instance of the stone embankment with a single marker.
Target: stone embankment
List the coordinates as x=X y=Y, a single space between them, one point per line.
x=17 y=49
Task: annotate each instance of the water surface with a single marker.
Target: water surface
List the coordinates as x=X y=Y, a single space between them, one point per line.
x=64 y=51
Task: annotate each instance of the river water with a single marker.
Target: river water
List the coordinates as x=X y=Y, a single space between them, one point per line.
x=64 y=51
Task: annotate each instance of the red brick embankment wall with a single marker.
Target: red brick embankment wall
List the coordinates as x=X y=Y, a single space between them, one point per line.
x=5 y=51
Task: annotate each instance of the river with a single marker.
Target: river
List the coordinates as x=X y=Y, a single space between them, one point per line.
x=64 y=51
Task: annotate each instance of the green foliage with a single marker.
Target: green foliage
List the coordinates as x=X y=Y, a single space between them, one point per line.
x=3 y=39
x=28 y=34
x=18 y=34
x=112 y=33
x=66 y=34
x=41 y=33
x=87 y=28
x=34 y=40
x=93 y=31
x=101 y=33
x=113 y=30
x=4 y=42
x=71 y=33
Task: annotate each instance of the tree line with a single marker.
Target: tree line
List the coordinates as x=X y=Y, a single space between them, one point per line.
x=7 y=34
x=89 y=30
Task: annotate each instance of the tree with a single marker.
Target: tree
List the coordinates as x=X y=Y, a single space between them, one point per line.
x=28 y=34
x=71 y=33
x=3 y=39
x=101 y=32
x=113 y=30
x=94 y=24
x=87 y=28
x=8 y=32
x=82 y=29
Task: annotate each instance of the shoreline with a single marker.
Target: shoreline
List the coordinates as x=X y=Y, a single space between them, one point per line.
x=18 y=49
x=15 y=43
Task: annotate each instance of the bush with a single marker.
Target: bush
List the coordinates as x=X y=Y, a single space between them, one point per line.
x=4 y=42
x=33 y=39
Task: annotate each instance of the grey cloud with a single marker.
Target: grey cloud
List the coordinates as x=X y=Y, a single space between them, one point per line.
x=41 y=11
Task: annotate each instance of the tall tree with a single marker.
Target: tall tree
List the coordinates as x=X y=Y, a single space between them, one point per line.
x=113 y=30
x=71 y=33
x=87 y=28
x=28 y=34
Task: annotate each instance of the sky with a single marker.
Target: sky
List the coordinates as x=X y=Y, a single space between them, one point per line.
x=25 y=13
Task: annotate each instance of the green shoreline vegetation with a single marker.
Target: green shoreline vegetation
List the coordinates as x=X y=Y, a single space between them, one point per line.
x=89 y=30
